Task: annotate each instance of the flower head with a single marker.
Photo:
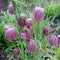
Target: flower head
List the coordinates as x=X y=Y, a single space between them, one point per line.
x=38 y=13
x=22 y=20
x=25 y=34
x=31 y=46
x=45 y=31
x=16 y=52
x=22 y=35
x=29 y=23
x=10 y=9
x=53 y=40
x=10 y=33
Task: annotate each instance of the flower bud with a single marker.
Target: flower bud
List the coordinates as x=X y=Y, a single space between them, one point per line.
x=45 y=31
x=10 y=34
x=28 y=33
x=38 y=13
x=10 y=9
x=25 y=34
x=22 y=20
x=16 y=52
x=31 y=46
x=22 y=35
x=53 y=40
x=29 y=23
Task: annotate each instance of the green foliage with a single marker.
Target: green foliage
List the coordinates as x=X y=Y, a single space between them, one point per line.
x=1 y=29
x=43 y=47
x=52 y=9
x=36 y=2
x=58 y=52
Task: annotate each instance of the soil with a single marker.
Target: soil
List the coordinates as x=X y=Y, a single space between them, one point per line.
x=3 y=4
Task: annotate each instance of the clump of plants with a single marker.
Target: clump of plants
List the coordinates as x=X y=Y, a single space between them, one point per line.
x=52 y=9
x=27 y=35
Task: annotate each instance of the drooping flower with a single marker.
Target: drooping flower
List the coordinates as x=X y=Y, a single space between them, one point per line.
x=38 y=13
x=22 y=35
x=28 y=33
x=16 y=52
x=10 y=33
x=29 y=23
x=22 y=20
x=31 y=46
x=25 y=34
x=10 y=9
x=53 y=40
x=45 y=31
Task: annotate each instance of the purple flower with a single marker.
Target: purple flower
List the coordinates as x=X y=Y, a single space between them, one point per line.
x=22 y=20
x=29 y=23
x=10 y=33
x=16 y=52
x=22 y=35
x=28 y=33
x=25 y=34
x=10 y=9
x=31 y=46
x=53 y=40
x=45 y=31
x=38 y=13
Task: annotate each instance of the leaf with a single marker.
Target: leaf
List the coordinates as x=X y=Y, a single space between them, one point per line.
x=1 y=30
x=58 y=52
x=35 y=2
x=54 y=58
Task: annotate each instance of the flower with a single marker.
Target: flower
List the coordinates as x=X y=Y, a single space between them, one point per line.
x=53 y=40
x=16 y=52
x=10 y=33
x=10 y=9
x=31 y=46
x=25 y=34
x=45 y=31
x=22 y=35
x=6 y=27
x=22 y=20
x=38 y=13
x=28 y=33
x=29 y=23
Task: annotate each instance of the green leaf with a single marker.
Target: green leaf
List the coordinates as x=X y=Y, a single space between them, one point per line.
x=58 y=52
x=1 y=30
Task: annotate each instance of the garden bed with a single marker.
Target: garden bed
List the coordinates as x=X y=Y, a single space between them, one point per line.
x=29 y=31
